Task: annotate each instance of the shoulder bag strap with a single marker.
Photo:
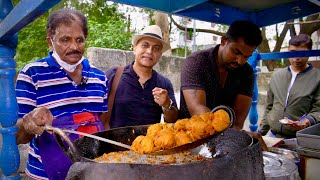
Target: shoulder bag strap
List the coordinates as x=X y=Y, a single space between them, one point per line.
x=112 y=92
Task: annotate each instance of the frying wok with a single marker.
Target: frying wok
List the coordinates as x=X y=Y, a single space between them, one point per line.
x=233 y=155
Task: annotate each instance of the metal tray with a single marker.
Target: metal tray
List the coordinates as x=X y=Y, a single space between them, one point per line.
x=308 y=152
x=309 y=137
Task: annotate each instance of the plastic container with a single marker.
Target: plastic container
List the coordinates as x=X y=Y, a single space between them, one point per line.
x=309 y=137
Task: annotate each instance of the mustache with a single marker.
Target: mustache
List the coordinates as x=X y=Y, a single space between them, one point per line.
x=73 y=52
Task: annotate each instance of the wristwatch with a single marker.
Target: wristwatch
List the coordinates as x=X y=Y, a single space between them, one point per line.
x=169 y=108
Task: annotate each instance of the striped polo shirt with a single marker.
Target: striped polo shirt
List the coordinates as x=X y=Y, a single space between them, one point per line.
x=44 y=83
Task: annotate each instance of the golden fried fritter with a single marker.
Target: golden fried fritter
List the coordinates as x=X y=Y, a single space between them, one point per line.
x=181 y=124
x=154 y=129
x=164 y=139
x=147 y=145
x=221 y=120
x=165 y=136
x=143 y=144
x=206 y=116
x=136 y=144
x=182 y=138
x=200 y=129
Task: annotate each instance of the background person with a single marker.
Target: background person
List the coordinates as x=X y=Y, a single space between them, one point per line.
x=61 y=90
x=294 y=93
x=221 y=75
x=143 y=94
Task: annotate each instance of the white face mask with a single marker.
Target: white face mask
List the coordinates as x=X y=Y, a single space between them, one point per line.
x=64 y=65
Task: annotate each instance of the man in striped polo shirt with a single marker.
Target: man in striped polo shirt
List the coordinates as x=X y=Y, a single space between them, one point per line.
x=62 y=90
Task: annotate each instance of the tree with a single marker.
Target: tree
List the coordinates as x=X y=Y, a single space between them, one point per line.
x=107 y=28
x=308 y=25
x=161 y=19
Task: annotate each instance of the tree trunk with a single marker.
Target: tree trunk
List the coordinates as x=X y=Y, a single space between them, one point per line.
x=310 y=25
x=161 y=19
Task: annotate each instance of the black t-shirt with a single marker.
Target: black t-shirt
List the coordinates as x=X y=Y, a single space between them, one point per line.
x=200 y=71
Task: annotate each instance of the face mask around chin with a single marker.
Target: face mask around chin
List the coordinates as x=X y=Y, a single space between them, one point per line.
x=64 y=65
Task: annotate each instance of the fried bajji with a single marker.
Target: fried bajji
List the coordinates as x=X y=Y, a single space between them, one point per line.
x=221 y=120
x=143 y=144
x=182 y=138
x=154 y=129
x=164 y=139
x=181 y=124
x=199 y=129
x=206 y=116
x=165 y=136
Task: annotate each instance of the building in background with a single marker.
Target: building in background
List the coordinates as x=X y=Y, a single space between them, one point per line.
x=184 y=42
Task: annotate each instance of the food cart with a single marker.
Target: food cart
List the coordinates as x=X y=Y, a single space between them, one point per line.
x=14 y=18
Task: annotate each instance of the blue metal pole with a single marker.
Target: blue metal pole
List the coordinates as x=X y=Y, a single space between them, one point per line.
x=9 y=154
x=253 y=113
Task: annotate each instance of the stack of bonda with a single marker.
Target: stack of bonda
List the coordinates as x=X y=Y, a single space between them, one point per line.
x=165 y=136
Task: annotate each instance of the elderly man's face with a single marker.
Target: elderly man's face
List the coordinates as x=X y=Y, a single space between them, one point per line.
x=147 y=52
x=68 y=42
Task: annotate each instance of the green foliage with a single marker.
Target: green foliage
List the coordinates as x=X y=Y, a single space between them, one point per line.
x=111 y=34
x=180 y=51
x=107 y=28
x=32 y=43
x=222 y=28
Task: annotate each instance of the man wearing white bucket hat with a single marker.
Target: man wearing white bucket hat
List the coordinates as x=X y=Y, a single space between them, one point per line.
x=142 y=94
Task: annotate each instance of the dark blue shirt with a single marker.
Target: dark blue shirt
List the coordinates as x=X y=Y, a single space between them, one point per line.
x=134 y=105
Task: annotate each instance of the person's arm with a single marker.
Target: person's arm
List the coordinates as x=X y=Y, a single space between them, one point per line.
x=162 y=98
x=32 y=124
x=241 y=109
x=312 y=117
x=104 y=121
x=23 y=136
x=196 y=101
x=110 y=73
x=170 y=113
x=193 y=83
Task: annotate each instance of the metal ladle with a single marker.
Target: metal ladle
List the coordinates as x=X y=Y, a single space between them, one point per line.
x=60 y=134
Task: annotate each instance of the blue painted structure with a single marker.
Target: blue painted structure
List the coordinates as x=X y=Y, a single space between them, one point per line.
x=253 y=61
x=13 y=19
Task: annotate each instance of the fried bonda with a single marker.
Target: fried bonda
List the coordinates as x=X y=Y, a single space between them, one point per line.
x=182 y=138
x=206 y=116
x=143 y=144
x=154 y=129
x=136 y=144
x=165 y=135
x=221 y=120
x=181 y=124
x=199 y=129
x=164 y=139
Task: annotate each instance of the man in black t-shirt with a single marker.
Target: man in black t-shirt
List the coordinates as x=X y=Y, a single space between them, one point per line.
x=221 y=75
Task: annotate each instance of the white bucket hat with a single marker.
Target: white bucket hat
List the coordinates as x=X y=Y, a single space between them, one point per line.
x=152 y=31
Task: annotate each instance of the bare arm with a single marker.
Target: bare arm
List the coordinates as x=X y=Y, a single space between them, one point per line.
x=32 y=123
x=170 y=115
x=23 y=136
x=241 y=109
x=162 y=98
x=104 y=121
x=196 y=101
